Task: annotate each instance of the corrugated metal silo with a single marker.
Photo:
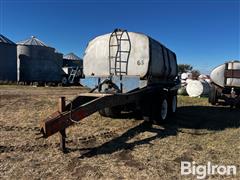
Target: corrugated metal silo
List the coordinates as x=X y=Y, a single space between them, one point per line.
x=72 y=60
x=38 y=62
x=8 y=59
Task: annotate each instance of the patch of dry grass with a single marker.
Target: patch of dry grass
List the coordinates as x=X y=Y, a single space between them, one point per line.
x=112 y=148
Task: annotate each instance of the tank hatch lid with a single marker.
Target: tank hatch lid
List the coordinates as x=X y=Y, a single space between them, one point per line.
x=33 y=41
x=3 y=39
x=72 y=56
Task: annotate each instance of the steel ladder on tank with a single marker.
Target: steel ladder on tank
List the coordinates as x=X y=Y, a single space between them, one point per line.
x=118 y=54
x=73 y=74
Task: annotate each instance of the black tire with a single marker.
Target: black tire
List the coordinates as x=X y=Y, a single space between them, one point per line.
x=112 y=112
x=162 y=115
x=156 y=110
x=213 y=96
x=147 y=107
x=102 y=112
x=172 y=105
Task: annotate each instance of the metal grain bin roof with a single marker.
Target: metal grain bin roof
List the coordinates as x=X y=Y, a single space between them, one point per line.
x=3 y=39
x=33 y=41
x=71 y=56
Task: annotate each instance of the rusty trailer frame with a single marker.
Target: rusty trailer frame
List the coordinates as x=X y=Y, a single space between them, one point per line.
x=86 y=104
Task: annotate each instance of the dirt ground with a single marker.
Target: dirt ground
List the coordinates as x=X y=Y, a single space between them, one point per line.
x=105 y=148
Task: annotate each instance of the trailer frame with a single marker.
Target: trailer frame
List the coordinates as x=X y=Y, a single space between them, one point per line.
x=86 y=104
x=230 y=95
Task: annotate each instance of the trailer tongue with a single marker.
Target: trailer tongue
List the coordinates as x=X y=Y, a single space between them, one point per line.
x=83 y=106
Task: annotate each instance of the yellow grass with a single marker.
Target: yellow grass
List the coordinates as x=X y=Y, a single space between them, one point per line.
x=112 y=148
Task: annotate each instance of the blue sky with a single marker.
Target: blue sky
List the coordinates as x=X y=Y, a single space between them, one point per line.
x=203 y=33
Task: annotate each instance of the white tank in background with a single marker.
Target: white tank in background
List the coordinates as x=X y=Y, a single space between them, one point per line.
x=196 y=88
x=208 y=81
x=226 y=84
x=185 y=76
x=218 y=74
x=188 y=81
x=185 y=79
x=202 y=76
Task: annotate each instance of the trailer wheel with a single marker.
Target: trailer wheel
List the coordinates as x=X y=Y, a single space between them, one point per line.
x=64 y=81
x=164 y=109
x=213 y=96
x=112 y=112
x=102 y=112
x=172 y=105
x=157 y=111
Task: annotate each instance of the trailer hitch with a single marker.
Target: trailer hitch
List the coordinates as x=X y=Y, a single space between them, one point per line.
x=62 y=133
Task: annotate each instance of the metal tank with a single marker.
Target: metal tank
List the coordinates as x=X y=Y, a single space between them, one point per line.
x=227 y=74
x=146 y=57
x=226 y=84
x=8 y=60
x=38 y=62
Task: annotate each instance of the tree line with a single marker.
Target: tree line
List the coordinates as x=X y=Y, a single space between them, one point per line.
x=185 y=68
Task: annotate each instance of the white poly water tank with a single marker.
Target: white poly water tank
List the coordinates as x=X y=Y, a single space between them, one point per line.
x=188 y=80
x=147 y=57
x=218 y=75
x=185 y=76
x=197 y=88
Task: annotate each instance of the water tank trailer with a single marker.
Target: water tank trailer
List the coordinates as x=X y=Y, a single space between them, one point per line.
x=121 y=55
x=226 y=84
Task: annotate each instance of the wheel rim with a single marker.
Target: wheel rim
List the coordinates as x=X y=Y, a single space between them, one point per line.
x=164 y=109
x=64 y=80
x=174 y=104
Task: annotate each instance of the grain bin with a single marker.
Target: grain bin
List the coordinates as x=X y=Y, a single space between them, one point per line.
x=147 y=58
x=73 y=68
x=71 y=59
x=38 y=62
x=72 y=56
x=8 y=60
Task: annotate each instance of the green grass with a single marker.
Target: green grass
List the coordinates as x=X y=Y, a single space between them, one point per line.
x=186 y=101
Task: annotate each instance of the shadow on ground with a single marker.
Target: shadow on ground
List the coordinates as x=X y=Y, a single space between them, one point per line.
x=206 y=117
x=188 y=117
